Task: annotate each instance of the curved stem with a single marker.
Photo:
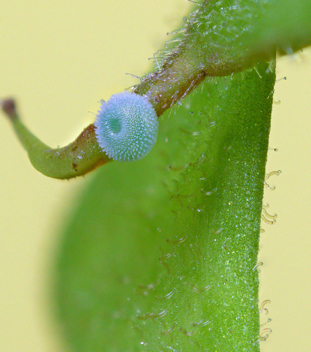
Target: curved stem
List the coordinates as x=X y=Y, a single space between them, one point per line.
x=77 y=158
x=215 y=42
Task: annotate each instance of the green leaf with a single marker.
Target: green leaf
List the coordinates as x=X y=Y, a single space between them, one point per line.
x=114 y=292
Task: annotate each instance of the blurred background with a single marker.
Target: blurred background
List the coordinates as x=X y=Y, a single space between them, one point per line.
x=59 y=59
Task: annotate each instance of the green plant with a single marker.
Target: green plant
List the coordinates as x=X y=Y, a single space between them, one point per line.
x=202 y=294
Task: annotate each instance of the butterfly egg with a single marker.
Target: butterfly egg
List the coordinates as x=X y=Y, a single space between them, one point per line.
x=126 y=127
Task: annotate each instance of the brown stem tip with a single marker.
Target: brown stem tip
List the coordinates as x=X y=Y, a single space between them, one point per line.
x=9 y=107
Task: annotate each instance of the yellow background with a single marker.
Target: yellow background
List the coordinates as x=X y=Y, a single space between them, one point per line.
x=59 y=58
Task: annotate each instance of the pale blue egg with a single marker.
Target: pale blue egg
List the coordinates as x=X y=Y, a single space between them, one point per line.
x=126 y=127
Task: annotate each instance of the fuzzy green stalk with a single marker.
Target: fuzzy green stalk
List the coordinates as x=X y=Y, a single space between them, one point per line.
x=212 y=44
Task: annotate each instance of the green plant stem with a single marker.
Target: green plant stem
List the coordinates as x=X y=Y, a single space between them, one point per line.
x=79 y=157
x=221 y=37
x=210 y=46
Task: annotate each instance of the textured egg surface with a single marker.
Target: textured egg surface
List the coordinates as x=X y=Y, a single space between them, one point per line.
x=126 y=127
